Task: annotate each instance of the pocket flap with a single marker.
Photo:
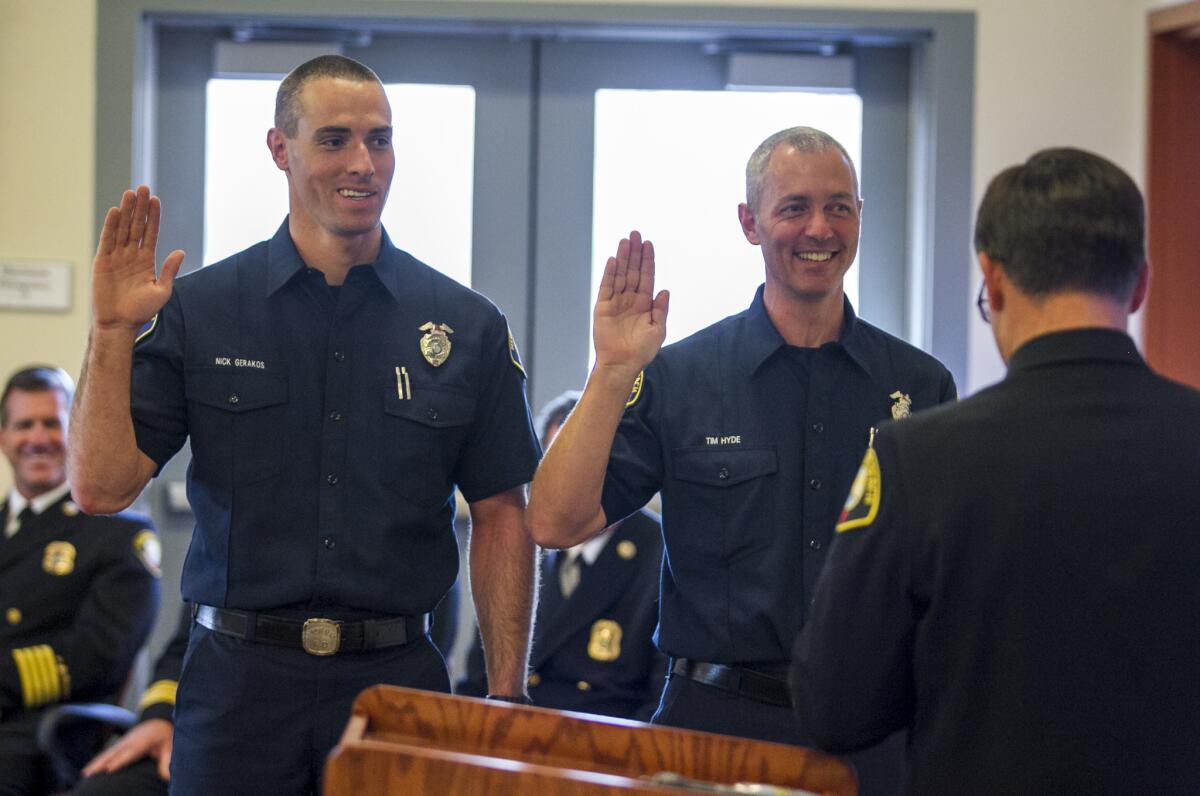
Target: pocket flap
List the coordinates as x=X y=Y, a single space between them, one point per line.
x=431 y=407
x=235 y=391
x=723 y=466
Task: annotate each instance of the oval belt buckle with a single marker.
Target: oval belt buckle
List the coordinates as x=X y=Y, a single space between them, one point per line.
x=321 y=636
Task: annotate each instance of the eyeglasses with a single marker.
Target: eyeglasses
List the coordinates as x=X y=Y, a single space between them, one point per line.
x=985 y=306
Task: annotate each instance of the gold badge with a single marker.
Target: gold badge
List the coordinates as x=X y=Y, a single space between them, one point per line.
x=435 y=345
x=605 y=643
x=626 y=549
x=903 y=405
x=513 y=354
x=59 y=558
x=862 y=504
x=636 y=392
x=13 y=616
x=148 y=550
x=70 y=509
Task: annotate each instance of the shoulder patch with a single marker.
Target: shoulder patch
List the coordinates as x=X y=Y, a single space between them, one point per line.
x=148 y=550
x=513 y=354
x=636 y=392
x=862 y=504
x=147 y=329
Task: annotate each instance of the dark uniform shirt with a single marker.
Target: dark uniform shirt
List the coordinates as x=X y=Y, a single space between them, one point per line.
x=1016 y=583
x=78 y=596
x=325 y=445
x=753 y=445
x=594 y=651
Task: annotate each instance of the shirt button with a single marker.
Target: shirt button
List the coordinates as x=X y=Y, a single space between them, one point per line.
x=338 y=356
x=723 y=473
x=233 y=398
x=815 y=483
x=332 y=479
x=335 y=416
x=818 y=427
x=433 y=413
x=328 y=543
x=815 y=544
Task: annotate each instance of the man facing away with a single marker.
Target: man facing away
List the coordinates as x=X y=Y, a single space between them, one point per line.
x=335 y=392
x=752 y=430
x=79 y=594
x=1013 y=580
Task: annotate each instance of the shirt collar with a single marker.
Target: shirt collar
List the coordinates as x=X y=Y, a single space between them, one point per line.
x=284 y=262
x=763 y=339
x=590 y=550
x=1074 y=345
x=17 y=502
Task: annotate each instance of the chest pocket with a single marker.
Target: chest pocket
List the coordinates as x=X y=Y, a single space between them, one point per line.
x=422 y=440
x=729 y=493
x=237 y=423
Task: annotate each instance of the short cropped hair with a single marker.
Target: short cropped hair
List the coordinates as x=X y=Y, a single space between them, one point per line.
x=555 y=412
x=802 y=139
x=287 y=98
x=1065 y=220
x=37 y=378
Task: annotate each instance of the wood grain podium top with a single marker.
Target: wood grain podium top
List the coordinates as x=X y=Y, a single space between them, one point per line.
x=405 y=741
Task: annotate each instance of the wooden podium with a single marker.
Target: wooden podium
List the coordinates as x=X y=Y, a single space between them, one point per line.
x=403 y=741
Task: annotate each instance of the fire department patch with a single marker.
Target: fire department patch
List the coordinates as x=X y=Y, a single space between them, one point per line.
x=862 y=504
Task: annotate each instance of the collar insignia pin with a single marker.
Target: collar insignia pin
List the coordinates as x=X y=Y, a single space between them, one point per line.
x=903 y=405
x=435 y=345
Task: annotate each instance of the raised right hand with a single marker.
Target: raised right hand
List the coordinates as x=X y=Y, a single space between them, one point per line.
x=126 y=293
x=629 y=321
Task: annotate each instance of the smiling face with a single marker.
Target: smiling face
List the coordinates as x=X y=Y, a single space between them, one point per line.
x=340 y=161
x=806 y=220
x=33 y=439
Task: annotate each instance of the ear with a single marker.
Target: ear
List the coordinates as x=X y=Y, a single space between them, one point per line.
x=746 y=218
x=994 y=280
x=1141 y=289
x=277 y=143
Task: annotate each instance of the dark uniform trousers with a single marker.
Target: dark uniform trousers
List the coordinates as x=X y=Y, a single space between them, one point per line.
x=78 y=597
x=594 y=652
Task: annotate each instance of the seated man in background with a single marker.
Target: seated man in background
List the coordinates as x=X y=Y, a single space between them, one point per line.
x=79 y=594
x=1014 y=578
x=139 y=763
x=593 y=642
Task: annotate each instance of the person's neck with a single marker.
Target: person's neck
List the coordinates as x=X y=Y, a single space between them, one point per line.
x=805 y=322
x=334 y=255
x=1064 y=312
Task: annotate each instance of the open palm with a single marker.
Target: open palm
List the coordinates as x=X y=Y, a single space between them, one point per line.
x=126 y=292
x=629 y=322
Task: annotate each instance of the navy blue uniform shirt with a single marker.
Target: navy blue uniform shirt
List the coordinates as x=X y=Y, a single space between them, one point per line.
x=753 y=444
x=325 y=447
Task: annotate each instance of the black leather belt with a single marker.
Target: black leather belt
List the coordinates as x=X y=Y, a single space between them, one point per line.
x=736 y=680
x=317 y=636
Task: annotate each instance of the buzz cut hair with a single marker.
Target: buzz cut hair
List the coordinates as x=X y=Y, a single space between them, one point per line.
x=37 y=378
x=287 y=98
x=802 y=139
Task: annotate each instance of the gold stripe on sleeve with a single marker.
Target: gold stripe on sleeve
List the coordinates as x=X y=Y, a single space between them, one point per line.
x=159 y=692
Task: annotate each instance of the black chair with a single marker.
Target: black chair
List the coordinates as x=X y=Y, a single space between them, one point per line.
x=71 y=734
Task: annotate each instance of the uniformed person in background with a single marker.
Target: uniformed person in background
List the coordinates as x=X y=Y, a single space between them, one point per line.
x=1013 y=580
x=138 y=764
x=593 y=642
x=78 y=594
x=752 y=429
x=335 y=391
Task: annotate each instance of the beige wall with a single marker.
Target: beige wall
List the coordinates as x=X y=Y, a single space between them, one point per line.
x=1049 y=73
